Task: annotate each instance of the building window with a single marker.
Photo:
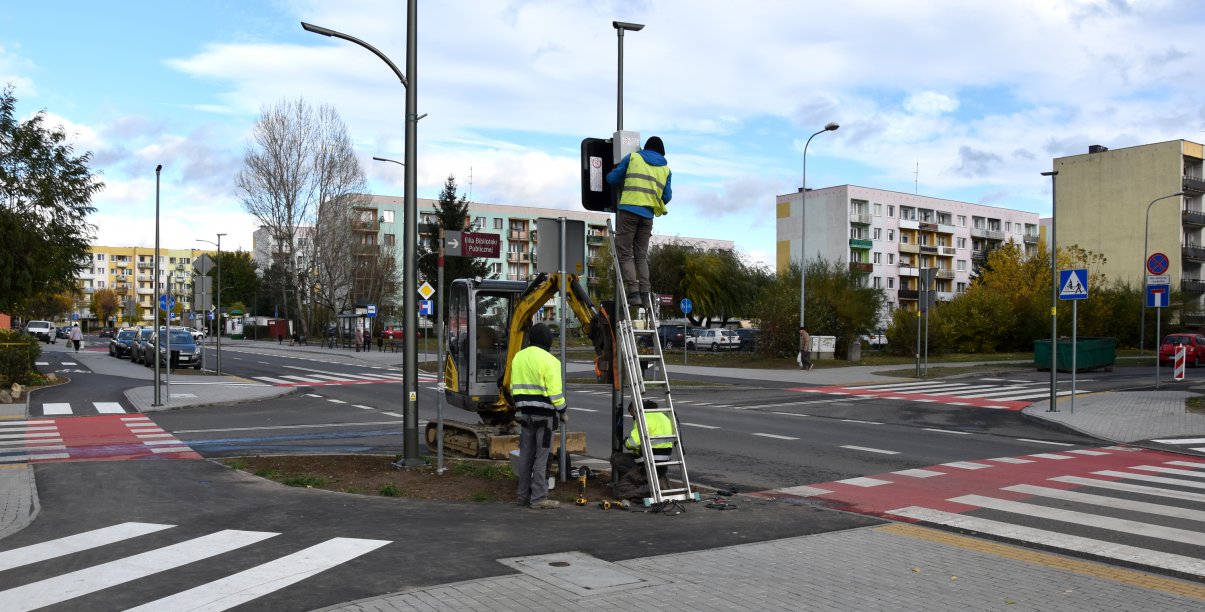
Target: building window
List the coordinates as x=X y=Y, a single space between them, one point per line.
x=390 y=240
x=497 y=223
x=878 y=209
x=903 y=238
x=479 y=222
x=891 y=259
x=891 y=282
x=962 y=265
x=891 y=210
x=387 y=216
x=962 y=220
x=100 y=257
x=1008 y=226
x=878 y=233
x=962 y=243
x=878 y=259
x=890 y=235
x=877 y=282
x=100 y=284
x=962 y=287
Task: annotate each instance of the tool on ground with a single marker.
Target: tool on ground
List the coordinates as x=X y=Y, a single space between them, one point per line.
x=583 y=473
x=618 y=504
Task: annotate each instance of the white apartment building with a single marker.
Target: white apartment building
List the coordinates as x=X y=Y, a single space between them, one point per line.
x=889 y=236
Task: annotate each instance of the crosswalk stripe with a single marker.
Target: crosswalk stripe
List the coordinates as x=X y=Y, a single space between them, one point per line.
x=917 y=473
x=1121 y=552
x=863 y=481
x=1159 y=479
x=900 y=386
x=300 y=378
x=109 y=408
x=22 y=436
x=1086 y=519
x=1050 y=456
x=966 y=465
x=56 y=408
x=36 y=553
x=24 y=458
x=261 y=580
x=329 y=377
x=1196 y=464
x=273 y=380
x=28 y=442
x=90 y=580
x=170 y=449
x=1090 y=453
x=1166 y=470
x=1132 y=488
x=1028 y=395
x=1110 y=502
x=1181 y=441
x=26 y=423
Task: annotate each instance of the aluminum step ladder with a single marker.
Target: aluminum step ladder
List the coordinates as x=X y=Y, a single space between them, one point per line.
x=646 y=375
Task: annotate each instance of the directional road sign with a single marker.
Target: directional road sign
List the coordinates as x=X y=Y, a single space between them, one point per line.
x=1157 y=263
x=1073 y=284
x=167 y=302
x=1157 y=296
x=686 y=305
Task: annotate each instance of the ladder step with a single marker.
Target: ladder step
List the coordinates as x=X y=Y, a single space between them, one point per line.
x=650 y=356
x=661 y=463
x=643 y=332
x=666 y=493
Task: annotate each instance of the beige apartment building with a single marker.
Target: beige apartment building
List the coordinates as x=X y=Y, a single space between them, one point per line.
x=130 y=272
x=1101 y=202
x=889 y=237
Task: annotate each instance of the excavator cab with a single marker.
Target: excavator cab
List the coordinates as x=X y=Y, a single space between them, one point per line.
x=479 y=320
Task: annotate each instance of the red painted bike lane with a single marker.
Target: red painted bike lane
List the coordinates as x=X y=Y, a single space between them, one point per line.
x=99 y=438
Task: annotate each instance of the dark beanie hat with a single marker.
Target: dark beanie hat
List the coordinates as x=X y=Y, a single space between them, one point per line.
x=540 y=335
x=654 y=144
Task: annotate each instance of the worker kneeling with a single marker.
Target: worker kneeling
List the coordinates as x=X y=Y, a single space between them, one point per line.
x=629 y=465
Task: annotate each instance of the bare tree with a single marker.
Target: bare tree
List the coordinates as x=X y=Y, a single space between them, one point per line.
x=299 y=160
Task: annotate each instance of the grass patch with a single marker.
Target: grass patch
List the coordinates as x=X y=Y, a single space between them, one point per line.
x=482 y=470
x=484 y=497
x=1195 y=404
x=308 y=481
x=237 y=464
x=270 y=474
x=389 y=490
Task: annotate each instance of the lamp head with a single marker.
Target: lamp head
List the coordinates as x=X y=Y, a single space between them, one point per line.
x=309 y=27
x=831 y=127
x=623 y=25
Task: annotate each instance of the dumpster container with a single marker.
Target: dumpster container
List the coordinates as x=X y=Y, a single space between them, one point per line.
x=1091 y=353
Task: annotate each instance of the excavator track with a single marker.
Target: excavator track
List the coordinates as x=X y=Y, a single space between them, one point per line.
x=486 y=442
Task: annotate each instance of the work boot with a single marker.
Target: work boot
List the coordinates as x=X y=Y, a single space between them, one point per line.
x=546 y=504
x=646 y=300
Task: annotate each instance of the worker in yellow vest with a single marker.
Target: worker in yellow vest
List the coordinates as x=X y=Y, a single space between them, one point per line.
x=643 y=178
x=629 y=465
x=539 y=395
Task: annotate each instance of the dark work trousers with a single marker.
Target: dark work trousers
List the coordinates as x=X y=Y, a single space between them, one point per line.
x=535 y=440
x=632 y=247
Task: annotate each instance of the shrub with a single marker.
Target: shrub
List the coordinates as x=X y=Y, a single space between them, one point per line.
x=18 y=352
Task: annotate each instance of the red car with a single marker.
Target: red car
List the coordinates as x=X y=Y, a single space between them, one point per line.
x=392 y=332
x=1194 y=348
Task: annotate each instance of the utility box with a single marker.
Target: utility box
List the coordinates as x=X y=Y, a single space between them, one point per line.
x=1091 y=353
x=823 y=347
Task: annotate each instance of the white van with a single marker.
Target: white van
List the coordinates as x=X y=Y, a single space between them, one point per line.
x=42 y=330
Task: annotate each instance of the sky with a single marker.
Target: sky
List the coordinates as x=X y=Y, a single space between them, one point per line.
x=967 y=101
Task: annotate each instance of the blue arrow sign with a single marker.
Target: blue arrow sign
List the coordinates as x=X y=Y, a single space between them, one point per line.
x=167 y=302
x=686 y=305
x=1073 y=284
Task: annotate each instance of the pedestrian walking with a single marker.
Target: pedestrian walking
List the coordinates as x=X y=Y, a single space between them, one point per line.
x=76 y=335
x=539 y=396
x=805 y=350
x=367 y=339
x=645 y=180
x=359 y=338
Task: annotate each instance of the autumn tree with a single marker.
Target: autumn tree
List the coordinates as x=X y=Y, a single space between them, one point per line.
x=104 y=304
x=299 y=159
x=45 y=198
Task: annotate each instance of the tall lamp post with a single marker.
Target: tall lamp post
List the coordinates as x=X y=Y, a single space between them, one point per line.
x=410 y=235
x=155 y=268
x=218 y=367
x=620 y=26
x=803 y=208
x=1146 y=239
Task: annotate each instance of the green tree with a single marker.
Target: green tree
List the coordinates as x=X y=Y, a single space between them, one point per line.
x=719 y=282
x=452 y=214
x=45 y=198
x=837 y=305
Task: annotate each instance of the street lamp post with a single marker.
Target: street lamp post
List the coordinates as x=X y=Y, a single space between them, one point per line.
x=620 y=26
x=803 y=208
x=410 y=220
x=1146 y=238
x=218 y=315
x=155 y=268
x=1054 y=294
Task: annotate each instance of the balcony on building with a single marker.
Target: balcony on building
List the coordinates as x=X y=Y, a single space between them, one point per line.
x=927 y=227
x=513 y=256
x=979 y=256
x=861 y=266
x=990 y=234
x=860 y=243
x=908 y=294
x=1193 y=253
x=362 y=225
x=945 y=296
x=1193 y=185
x=928 y=250
x=595 y=239
x=119 y=264
x=909 y=270
x=366 y=249
x=1194 y=319
x=945 y=274
x=860 y=218
x=1030 y=237
x=909 y=248
x=145 y=265
x=909 y=224
x=518 y=235
x=145 y=290
x=945 y=228
x=1193 y=217
x=1192 y=285
x=946 y=251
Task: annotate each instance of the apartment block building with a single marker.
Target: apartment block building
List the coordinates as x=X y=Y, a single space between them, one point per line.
x=888 y=237
x=1101 y=204
x=130 y=272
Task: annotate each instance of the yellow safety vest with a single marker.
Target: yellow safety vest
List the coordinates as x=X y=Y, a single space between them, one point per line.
x=658 y=425
x=535 y=382
x=644 y=185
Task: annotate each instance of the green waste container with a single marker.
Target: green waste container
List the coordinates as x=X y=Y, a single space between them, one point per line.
x=1091 y=353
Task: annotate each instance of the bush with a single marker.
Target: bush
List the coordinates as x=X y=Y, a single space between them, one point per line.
x=18 y=352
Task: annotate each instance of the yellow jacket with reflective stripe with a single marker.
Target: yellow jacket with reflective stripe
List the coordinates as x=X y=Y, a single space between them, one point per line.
x=644 y=185
x=535 y=382
x=658 y=425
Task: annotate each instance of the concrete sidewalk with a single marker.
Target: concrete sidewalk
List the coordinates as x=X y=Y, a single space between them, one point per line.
x=895 y=566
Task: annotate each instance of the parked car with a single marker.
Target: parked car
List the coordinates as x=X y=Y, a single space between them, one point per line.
x=392 y=332
x=121 y=345
x=42 y=330
x=106 y=332
x=877 y=339
x=748 y=337
x=186 y=353
x=197 y=335
x=714 y=340
x=138 y=346
x=1194 y=348
x=672 y=336
x=63 y=332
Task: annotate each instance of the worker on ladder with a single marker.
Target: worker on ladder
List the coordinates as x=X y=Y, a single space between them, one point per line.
x=633 y=482
x=644 y=177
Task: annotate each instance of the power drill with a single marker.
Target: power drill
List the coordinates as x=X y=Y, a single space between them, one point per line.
x=583 y=473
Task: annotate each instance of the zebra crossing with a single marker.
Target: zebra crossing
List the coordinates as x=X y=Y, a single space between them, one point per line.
x=320 y=378
x=53 y=409
x=1001 y=394
x=1133 y=505
x=1183 y=444
x=224 y=593
x=87 y=439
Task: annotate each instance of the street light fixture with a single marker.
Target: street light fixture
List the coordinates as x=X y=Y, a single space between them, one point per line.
x=410 y=456
x=218 y=366
x=620 y=26
x=155 y=268
x=803 y=208
x=1146 y=238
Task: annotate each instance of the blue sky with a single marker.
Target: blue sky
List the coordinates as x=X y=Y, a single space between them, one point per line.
x=966 y=101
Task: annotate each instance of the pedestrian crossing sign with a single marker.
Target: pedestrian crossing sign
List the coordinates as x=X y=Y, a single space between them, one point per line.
x=1073 y=284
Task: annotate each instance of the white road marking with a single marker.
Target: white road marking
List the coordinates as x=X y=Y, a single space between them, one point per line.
x=4 y=424
x=1090 y=453
x=870 y=450
x=1159 y=479
x=788 y=413
x=1050 y=456
x=949 y=431
x=363 y=406
x=57 y=408
x=1181 y=441
x=804 y=491
x=1166 y=470
x=775 y=436
x=862 y=481
x=22 y=436
x=1133 y=488
x=90 y=580
x=335 y=401
x=1011 y=460
x=393 y=414
x=300 y=378
x=263 y=579
x=36 y=553
x=312 y=395
x=699 y=426
x=109 y=408
x=863 y=422
x=1044 y=442
x=1187 y=463
x=1110 y=502
x=582 y=409
x=919 y=473
x=966 y=465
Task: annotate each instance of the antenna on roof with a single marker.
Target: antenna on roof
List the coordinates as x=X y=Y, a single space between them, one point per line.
x=470 y=183
x=916 y=179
